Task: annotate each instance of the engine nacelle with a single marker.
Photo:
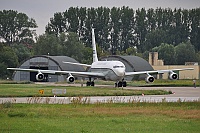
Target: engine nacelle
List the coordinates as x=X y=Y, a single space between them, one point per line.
x=70 y=79
x=149 y=79
x=173 y=76
x=40 y=77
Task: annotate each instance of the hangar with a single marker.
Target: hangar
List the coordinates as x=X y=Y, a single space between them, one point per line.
x=45 y=62
x=133 y=64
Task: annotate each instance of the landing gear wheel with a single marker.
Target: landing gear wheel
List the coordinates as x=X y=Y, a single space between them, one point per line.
x=121 y=84
x=124 y=84
x=88 y=83
x=92 y=83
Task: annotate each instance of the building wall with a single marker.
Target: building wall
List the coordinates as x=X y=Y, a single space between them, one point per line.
x=153 y=59
x=188 y=74
x=159 y=65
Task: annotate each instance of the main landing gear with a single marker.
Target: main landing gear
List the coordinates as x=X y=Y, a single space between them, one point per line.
x=121 y=84
x=90 y=82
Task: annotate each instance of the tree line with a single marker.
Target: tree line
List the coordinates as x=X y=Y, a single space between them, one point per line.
x=175 y=34
x=120 y=28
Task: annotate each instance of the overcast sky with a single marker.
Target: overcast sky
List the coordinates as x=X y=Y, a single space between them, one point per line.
x=43 y=10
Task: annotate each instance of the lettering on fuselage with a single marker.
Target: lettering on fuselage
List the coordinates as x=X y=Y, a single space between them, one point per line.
x=102 y=63
x=94 y=52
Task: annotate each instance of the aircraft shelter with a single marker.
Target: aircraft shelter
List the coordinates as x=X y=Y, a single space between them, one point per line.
x=45 y=62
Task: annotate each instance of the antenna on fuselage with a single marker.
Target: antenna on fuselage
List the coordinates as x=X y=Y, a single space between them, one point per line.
x=94 y=47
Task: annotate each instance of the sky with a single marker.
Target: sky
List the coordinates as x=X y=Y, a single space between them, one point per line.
x=43 y=10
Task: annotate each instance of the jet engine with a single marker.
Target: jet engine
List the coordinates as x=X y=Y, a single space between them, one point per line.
x=173 y=76
x=39 y=76
x=70 y=79
x=149 y=79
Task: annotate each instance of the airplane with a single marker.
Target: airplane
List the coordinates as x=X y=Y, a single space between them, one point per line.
x=105 y=70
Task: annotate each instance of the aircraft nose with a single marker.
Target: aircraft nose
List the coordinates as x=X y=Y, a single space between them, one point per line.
x=121 y=72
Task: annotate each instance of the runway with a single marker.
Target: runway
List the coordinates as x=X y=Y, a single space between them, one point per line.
x=180 y=94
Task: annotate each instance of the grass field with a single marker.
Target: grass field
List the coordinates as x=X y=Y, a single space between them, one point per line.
x=32 y=90
x=134 y=117
x=100 y=118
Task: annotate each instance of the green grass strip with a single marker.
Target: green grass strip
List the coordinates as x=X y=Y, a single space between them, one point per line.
x=32 y=90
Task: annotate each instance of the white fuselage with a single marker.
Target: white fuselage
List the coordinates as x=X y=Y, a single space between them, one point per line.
x=113 y=70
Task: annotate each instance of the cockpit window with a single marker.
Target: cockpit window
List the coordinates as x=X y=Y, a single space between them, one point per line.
x=118 y=66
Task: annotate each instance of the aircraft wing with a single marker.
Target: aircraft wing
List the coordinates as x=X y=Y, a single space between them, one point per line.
x=156 y=71
x=79 y=64
x=81 y=74
x=33 y=70
x=56 y=72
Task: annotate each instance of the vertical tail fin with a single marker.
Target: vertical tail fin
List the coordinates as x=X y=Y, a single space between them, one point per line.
x=94 y=47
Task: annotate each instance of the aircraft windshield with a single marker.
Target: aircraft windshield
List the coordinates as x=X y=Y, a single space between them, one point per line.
x=118 y=66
